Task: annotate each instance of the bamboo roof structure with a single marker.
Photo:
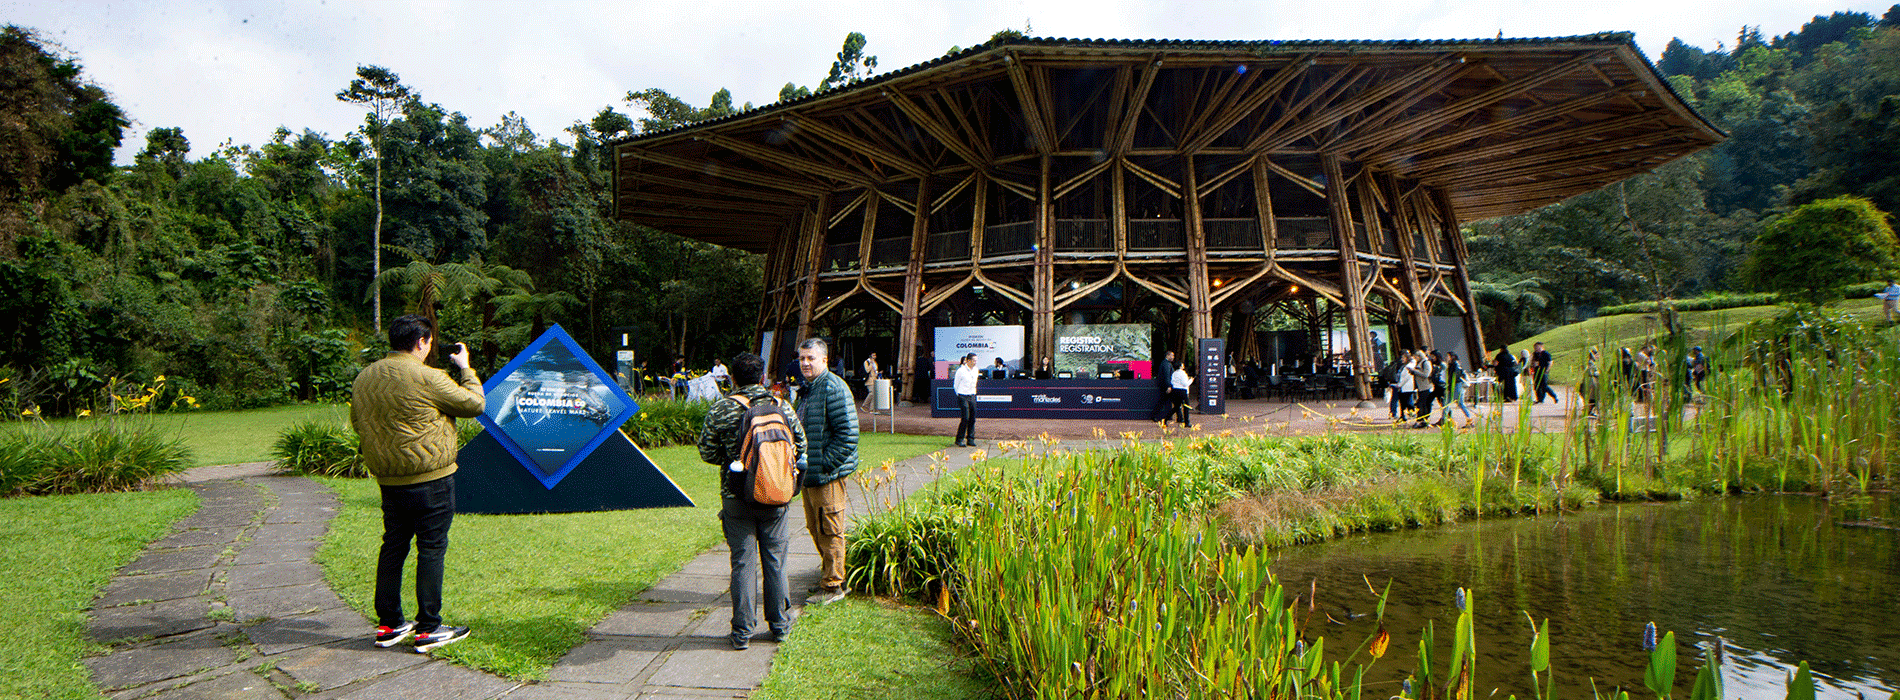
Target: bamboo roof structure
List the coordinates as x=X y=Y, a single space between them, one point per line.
x=1503 y=125
x=1212 y=178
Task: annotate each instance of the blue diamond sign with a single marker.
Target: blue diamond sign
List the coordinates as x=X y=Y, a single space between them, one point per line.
x=552 y=406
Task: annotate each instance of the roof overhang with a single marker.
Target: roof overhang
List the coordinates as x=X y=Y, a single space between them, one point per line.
x=1504 y=126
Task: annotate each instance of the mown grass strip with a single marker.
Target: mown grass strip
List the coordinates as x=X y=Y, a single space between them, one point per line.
x=60 y=551
x=531 y=585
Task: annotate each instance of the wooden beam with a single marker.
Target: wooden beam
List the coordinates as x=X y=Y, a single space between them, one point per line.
x=1043 y=279
x=1200 y=302
x=1366 y=98
x=936 y=129
x=622 y=188
x=1581 y=156
x=1034 y=100
x=816 y=127
x=1474 y=334
x=1421 y=321
x=813 y=258
x=1505 y=148
x=1252 y=101
x=1447 y=114
x=712 y=203
x=1467 y=134
x=785 y=160
x=1131 y=113
x=1357 y=325
x=728 y=172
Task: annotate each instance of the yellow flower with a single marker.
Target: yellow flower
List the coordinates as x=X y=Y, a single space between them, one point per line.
x=84 y=412
x=159 y=380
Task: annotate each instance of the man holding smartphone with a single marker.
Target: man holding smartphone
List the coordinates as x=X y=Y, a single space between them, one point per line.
x=405 y=411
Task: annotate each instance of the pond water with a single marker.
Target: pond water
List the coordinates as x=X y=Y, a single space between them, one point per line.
x=1776 y=577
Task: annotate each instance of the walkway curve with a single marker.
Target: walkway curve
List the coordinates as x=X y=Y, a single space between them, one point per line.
x=232 y=604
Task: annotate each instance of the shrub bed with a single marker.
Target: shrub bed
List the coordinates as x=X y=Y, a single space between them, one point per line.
x=108 y=457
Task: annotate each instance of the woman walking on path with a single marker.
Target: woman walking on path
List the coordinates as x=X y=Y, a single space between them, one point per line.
x=1507 y=374
x=1454 y=390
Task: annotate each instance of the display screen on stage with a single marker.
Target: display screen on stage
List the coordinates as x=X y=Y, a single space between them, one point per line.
x=1084 y=349
x=988 y=342
x=552 y=405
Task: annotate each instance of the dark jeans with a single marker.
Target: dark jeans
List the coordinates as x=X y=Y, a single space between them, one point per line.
x=757 y=536
x=1507 y=385
x=1543 y=387
x=1425 y=399
x=422 y=512
x=1178 y=406
x=1164 y=406
x=966 y=417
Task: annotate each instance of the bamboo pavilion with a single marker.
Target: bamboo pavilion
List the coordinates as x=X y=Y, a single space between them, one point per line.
x=1195 y=185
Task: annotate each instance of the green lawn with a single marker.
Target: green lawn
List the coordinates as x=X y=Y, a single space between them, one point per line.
x=221 y=437
x=531 y=585
x=62 y=550
x=870 y=649
x=1567 y=344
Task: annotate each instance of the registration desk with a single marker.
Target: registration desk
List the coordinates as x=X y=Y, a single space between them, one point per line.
x=1109 y=399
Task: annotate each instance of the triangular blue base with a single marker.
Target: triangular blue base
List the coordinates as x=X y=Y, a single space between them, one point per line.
x=615 y=476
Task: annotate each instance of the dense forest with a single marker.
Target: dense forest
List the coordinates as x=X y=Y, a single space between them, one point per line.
x=1811 y=114
x=244 y=275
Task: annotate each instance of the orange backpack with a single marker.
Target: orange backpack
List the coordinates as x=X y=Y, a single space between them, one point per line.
x=768 y=457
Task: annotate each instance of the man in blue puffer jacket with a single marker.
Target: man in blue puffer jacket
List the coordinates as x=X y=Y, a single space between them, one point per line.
x=830 y=417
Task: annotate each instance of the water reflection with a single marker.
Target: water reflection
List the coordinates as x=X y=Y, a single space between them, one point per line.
x=1773 y=575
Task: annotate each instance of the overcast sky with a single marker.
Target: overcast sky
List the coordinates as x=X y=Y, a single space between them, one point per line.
x=238 y=70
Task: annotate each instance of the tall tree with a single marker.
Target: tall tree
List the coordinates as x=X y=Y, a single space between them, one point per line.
x=852 y=65
x=57 y=129
x=380 y=90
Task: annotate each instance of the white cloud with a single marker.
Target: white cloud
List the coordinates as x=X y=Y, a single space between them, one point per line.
x=237 y=70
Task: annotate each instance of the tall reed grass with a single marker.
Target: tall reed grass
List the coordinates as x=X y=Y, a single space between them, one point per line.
x=1141 y=571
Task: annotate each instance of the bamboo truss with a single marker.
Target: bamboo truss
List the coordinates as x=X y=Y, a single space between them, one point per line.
x=1209 y=182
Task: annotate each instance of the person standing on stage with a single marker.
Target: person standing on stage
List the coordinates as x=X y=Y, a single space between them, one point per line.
x=965 y=385
x=1164 y=372
x=831 y=444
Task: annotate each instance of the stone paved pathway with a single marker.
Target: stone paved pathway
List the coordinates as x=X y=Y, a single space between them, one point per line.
x=233 y=605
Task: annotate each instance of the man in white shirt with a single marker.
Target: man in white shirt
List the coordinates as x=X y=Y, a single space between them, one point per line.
x=965 y=385
x=720 y=375
x=1178 y=385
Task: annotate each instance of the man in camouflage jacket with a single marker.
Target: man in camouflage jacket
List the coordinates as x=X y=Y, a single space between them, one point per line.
x=756 y=535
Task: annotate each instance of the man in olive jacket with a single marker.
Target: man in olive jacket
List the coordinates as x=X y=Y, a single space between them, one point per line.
x=830 y=416
x=404 y=412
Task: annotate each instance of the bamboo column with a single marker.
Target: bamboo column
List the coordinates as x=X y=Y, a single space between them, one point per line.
x=814 y=261
x=1351 y=278
x=1448 y=221
x=1200 y=306
x=1042 y=333
x=913 y=288
x=1419 y=312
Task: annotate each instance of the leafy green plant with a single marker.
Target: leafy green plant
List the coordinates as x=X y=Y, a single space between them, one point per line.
x=662 y=422
x=321 y=448
x=108 y=457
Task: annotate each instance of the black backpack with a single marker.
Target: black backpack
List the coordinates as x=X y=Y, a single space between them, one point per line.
x=768 y=456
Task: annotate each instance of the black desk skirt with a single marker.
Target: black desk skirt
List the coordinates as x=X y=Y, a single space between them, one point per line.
x=1111 y=399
